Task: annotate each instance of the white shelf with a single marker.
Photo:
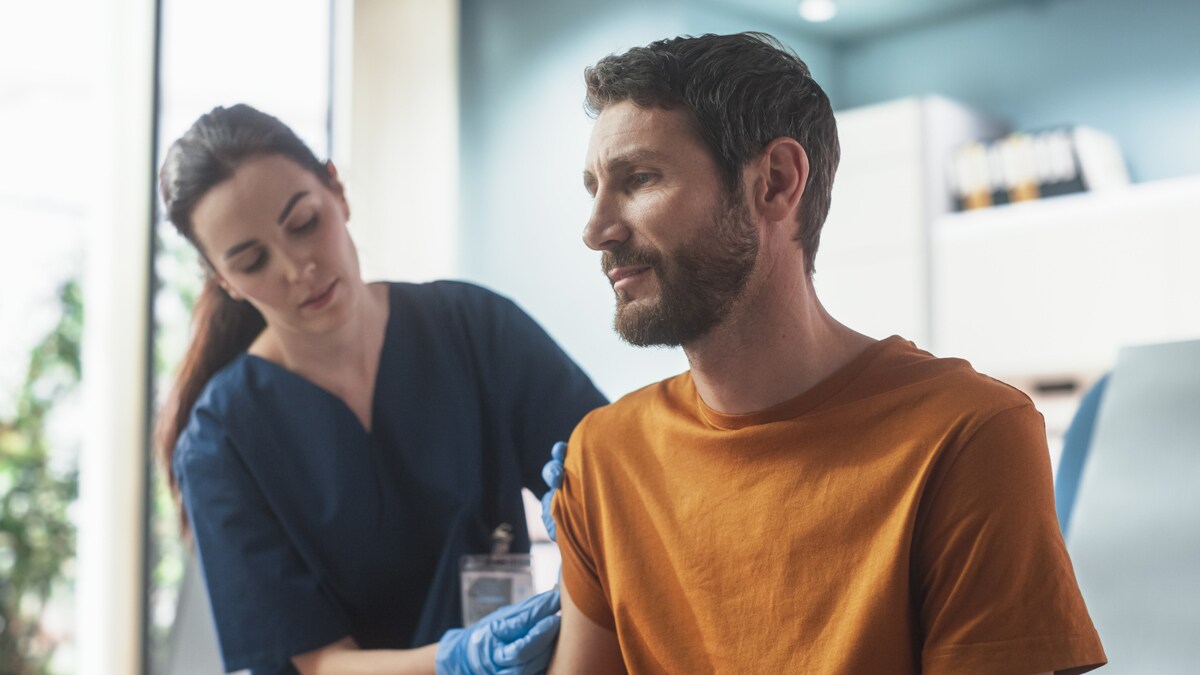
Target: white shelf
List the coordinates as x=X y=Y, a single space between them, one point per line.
x=1145 y=197
x=873 y=262
x=1057 y=286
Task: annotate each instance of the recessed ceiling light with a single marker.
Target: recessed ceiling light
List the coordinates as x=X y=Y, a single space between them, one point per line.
x=817 y=10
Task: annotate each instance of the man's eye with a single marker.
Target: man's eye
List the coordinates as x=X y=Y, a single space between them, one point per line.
x=641 y=178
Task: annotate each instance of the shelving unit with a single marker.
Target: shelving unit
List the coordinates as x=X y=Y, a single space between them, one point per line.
x=1055 y=287
x=874 y=260
x=1035 y=293
x=1030 y=292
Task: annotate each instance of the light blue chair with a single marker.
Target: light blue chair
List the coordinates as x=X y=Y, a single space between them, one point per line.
x=1128 y=498
x=1076 y=443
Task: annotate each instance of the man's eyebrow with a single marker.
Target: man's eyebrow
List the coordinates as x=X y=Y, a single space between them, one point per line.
x=635 y=156
x=621 y=161
x=238 y=248
x=288 y=207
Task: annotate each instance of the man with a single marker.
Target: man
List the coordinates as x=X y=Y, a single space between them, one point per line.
x=804 y=499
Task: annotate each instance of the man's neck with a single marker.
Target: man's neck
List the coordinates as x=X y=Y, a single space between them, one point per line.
x=773 y=347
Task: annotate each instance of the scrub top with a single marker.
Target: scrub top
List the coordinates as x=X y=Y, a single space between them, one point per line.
x=309 y=528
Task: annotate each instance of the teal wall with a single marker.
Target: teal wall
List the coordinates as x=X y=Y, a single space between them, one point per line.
x=1129 y=68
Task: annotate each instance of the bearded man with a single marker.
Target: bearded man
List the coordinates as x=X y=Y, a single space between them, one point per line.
x=804 y=499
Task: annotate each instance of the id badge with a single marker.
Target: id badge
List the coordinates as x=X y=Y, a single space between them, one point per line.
x=492 y=580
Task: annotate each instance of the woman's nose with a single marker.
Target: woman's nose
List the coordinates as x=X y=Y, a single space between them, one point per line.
x=300 y=265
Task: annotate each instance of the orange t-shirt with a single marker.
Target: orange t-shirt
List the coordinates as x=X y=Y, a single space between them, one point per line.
x=896 y=518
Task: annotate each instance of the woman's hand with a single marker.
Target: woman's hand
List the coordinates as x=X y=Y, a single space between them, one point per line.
x=518 y=639
x=552 y=473
x=514 y=640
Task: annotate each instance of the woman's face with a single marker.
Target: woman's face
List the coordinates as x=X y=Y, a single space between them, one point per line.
x=276 y=237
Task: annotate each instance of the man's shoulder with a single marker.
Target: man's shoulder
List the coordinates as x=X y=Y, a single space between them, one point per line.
x=906 y=371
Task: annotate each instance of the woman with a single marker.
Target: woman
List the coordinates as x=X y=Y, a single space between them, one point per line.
x=338 y=445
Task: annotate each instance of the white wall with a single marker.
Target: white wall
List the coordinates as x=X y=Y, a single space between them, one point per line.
x=112 y=461
x=399 y=154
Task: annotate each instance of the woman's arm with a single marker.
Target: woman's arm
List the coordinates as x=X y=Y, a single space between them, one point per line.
x=345 y=658
x=516 y=639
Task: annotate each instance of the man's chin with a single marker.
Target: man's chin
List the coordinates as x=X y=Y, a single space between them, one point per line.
x=639 y=323
x=626 y=302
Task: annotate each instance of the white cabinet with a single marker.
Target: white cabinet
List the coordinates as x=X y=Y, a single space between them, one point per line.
x=1027 y=292
x=1057 y=286
x=873 y=262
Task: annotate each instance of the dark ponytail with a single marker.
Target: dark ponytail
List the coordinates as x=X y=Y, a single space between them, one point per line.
x=208 y=154
x=222 y=328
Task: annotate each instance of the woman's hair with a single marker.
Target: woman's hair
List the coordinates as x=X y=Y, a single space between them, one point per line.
x=206 y=155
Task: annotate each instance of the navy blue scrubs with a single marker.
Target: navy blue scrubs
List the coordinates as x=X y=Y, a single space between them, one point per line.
x=309 y=528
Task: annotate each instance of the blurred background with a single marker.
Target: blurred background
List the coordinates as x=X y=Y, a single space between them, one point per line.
x=1020 y=186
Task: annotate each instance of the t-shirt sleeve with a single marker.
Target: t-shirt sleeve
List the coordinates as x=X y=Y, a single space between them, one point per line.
x=548 y=393
x=580 y=574
x=267 y=604
x=996 y=588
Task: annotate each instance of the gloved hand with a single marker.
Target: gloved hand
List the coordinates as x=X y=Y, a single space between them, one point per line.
x=514 y=640
x=552 y=473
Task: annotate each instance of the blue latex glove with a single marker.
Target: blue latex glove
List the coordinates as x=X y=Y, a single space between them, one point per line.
x=514 y=640
x=552 y=473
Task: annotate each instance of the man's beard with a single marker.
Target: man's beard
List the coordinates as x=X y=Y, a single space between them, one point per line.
x=699 y=282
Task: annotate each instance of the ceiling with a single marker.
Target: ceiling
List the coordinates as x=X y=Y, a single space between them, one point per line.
x=861 y=19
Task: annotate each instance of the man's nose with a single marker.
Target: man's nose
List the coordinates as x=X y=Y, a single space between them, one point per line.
x=605 y=229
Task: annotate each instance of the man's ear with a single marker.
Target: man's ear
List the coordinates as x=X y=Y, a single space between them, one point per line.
x=338 y=189
x=782 y=174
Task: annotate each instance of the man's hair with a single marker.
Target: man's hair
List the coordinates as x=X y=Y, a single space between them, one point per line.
x=742 y=91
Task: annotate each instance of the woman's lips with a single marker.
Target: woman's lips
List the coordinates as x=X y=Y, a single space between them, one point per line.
x=320 y=299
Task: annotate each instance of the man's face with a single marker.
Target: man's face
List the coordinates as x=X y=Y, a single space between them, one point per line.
x=678 y=249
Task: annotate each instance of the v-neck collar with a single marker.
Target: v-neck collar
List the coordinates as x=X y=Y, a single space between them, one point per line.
x=379 y=367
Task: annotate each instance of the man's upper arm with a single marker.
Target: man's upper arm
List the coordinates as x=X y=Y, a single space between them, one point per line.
x=587 y=641
x=995 y=580
x=584 y=647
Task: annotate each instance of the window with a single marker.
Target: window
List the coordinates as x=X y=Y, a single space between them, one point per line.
x=275 y=56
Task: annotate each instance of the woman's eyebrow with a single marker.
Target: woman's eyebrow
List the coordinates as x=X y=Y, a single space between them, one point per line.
x=288 y=207
x=238 y=248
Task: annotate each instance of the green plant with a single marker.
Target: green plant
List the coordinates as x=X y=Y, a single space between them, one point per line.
x=179 y=281
x=37 y=537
